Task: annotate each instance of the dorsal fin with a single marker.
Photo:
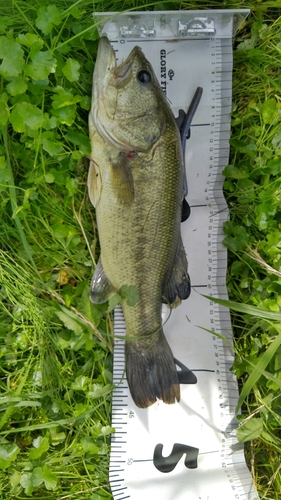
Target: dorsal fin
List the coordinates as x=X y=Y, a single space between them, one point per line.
x=178 y=287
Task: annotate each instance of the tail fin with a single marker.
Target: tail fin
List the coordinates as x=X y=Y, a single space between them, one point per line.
x=151 y=370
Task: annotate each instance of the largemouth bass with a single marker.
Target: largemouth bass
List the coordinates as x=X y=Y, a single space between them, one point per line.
x=135 y=183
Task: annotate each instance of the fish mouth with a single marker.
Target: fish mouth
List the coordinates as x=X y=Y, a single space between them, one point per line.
x=104 y=104
x=103 y=109
x=104 y=67
x=107 y=71
x=107 y=80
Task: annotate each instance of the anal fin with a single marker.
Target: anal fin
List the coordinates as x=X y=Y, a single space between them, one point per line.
x=101 y=287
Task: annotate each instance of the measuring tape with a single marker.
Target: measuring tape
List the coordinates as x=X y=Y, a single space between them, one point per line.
x=186 y=450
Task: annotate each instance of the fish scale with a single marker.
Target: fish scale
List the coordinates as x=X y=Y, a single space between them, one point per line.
x=188 y=450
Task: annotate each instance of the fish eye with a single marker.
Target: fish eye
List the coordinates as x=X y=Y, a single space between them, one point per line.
x=144 y=76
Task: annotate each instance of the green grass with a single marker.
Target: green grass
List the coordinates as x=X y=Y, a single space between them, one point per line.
x=56 y=347
x=253 y=234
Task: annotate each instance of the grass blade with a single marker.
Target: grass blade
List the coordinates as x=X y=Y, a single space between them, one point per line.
x=246 y=309
x=265 y=358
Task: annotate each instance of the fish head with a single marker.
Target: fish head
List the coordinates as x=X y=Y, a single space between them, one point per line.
x=129 y=108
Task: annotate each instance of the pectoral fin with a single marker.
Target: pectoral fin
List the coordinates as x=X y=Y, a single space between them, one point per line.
x=94 y=183
x=178 y=286
x=122 y=179
x=101 y=288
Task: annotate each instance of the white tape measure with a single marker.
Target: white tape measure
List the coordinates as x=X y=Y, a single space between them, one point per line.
x=187 y=450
